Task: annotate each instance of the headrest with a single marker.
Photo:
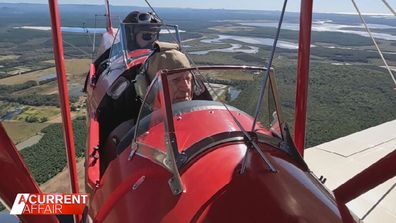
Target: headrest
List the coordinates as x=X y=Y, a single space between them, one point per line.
x=164 y=46
x=167 y=57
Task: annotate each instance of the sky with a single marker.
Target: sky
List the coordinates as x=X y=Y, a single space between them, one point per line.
x=340 y=6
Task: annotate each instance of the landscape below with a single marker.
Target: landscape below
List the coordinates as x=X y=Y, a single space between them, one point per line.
x=349 y=89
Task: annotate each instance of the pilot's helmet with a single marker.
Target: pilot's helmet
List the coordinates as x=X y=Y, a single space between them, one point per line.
x=141 y=29
x=141 y=17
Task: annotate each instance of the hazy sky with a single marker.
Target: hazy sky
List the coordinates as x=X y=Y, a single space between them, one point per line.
x=367 y=6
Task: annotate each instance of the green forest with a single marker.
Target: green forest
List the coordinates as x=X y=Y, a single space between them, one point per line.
x=48 y=157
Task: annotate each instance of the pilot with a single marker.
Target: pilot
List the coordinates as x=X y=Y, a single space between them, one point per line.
x=142 y=29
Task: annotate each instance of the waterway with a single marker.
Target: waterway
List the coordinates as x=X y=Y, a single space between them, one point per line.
x=329 y=26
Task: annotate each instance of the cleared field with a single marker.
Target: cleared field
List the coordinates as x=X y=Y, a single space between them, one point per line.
x=73 y=115
x=8 y=57
x=229 y=75
x=29 y=142
x=19 y=70
x=20 y=131
x=48 y=88
x=39 y=113
x=232 y=28
x=31 y=76
x=75 y=69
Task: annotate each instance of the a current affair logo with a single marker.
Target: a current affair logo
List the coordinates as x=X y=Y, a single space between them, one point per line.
x=49 y=204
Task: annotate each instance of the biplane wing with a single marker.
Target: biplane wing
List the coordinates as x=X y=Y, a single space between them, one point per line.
x=343 y=158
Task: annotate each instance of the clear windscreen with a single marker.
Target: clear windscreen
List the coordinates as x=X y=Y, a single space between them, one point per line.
x=132 y=37
x=150 y=126
x=206 y=102
x=116 y=49
x=240 y=88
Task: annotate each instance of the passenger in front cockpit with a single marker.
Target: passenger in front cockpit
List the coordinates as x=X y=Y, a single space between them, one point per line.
x=180 y=84
x=180 y=87
x=183 y=86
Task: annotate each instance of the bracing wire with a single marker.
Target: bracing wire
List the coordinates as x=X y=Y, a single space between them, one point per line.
x=86 y=30
x=265 y=78
x=389 y=7
x=375 y=43
x=77 y=48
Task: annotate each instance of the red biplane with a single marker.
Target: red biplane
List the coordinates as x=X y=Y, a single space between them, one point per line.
x=208 y=159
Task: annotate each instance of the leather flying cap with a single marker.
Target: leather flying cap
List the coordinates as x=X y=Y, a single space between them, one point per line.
x=169 y=59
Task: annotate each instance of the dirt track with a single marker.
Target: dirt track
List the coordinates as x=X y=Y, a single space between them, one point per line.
x=61 y=182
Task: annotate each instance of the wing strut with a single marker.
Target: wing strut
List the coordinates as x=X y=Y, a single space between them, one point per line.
x=374 y=175
x=304 y=46
x=15 y=178
x=109 y=25
x=64 y=97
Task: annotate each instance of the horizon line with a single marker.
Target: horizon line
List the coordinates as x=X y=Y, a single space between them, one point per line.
x=226 y=9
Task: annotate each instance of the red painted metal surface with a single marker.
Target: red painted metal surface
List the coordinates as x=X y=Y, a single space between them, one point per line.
x=92 y=70
x=137 y=190
x=92 y=172
x=206 y=123
x=16 y=178
x=105 y=81
x=374 y=175
x=64 y=96
x=304 y=46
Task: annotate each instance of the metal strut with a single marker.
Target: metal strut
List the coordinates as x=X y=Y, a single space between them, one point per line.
x=64 y=97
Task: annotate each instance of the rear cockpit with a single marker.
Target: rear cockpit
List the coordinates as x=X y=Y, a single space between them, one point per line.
x=113 y=96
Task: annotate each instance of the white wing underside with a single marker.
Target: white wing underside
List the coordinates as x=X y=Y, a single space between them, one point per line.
x=343 y=158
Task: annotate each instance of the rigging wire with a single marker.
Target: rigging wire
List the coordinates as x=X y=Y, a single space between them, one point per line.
x=86 y=30
x=265 y=78
x=77 y=48
x=375 y=43
x=174 y=38
x=389 y=7
x=163 y=21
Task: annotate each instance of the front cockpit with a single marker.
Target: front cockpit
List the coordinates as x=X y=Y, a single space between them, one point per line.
x=187 y=112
